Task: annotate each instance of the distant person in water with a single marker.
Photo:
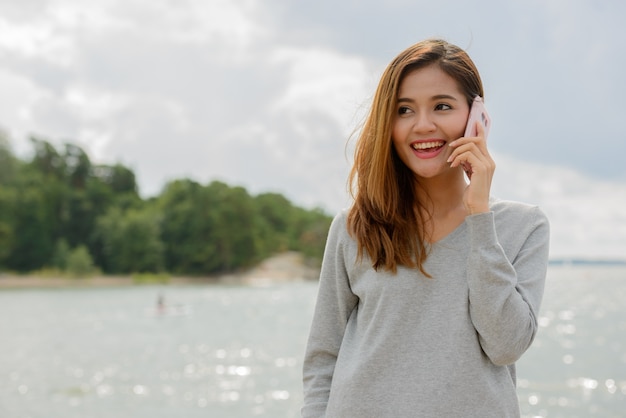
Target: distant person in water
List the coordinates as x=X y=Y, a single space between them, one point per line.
x=430 y=287
x=160 y=303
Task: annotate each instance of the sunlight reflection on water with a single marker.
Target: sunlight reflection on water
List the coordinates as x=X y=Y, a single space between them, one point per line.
x=236 y=351
x=103 y=352
x=577 y=364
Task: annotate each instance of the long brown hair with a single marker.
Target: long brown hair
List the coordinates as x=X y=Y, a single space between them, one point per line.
x=385 y=219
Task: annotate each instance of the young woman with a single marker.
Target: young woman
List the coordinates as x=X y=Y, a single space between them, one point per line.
x=430 y=288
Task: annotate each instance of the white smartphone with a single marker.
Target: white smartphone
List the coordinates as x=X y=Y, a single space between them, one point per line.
x=478 y=112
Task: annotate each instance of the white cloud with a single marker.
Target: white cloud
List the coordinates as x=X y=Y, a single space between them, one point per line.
x=587 y=215
x=90 y=103
x=230 y=27
x=323 y=80
x=38 y=39
x=19 y=96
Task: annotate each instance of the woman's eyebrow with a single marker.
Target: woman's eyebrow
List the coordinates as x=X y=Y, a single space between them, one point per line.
x=436 y=97
x=444 y=96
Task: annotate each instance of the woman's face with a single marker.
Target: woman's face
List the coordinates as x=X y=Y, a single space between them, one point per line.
x=431 y=112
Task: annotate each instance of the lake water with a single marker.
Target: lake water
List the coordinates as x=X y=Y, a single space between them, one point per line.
x=236 y=351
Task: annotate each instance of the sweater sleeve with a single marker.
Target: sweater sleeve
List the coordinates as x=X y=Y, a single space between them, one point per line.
x=335 y=303
x=505 y=290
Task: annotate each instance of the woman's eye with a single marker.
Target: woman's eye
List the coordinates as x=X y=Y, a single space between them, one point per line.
x=442 y=106
x=403 y=110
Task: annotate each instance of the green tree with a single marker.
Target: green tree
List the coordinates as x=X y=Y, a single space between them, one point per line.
x=7 y=223
x=47 y=160
x=235 y=231
x=8 y=171
x=275 y=219
x=77 y=166
x=61 y=255
x=104 y=192
x=131 y=241
x=185 y=228
x=309 y=231
x=208 y=229
x=80 y=263
x=119 y=178
x=8 y=162
x=33 y=242
x=6 y=243
x=43 y=178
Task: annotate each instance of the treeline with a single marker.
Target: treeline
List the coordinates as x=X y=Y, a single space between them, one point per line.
x=61 y=212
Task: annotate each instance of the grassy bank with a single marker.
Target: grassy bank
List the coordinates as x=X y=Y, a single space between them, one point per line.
x=282 y=267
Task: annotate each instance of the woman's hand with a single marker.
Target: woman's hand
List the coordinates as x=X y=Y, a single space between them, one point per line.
x=471 y=153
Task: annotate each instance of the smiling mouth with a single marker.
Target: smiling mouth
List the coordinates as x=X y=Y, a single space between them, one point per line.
x=427 y=146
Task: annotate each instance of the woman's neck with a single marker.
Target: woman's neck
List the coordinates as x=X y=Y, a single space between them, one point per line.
x=443 y=209
x=442 y=194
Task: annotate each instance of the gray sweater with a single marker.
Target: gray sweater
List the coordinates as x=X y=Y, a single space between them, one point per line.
x=403 y=345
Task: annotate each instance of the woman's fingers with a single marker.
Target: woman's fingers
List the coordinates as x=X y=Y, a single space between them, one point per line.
x=471 y=153
x=465 y=148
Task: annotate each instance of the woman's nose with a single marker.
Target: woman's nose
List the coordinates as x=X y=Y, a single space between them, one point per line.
x=423 y=123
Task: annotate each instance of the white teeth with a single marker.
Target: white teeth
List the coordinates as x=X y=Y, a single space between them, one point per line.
x=426 y=145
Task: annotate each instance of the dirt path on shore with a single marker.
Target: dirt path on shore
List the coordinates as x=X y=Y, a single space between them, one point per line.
x=283 y=267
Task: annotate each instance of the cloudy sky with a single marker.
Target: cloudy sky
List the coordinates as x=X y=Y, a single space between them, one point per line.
x=265 y=93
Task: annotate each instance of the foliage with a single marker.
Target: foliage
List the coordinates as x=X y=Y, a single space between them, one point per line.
x=130 y=241
x=8 y=163
x=80 y=263
x=60 y=212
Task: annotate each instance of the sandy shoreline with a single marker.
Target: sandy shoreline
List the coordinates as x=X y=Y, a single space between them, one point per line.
x=288 y=266
x=27 y=281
